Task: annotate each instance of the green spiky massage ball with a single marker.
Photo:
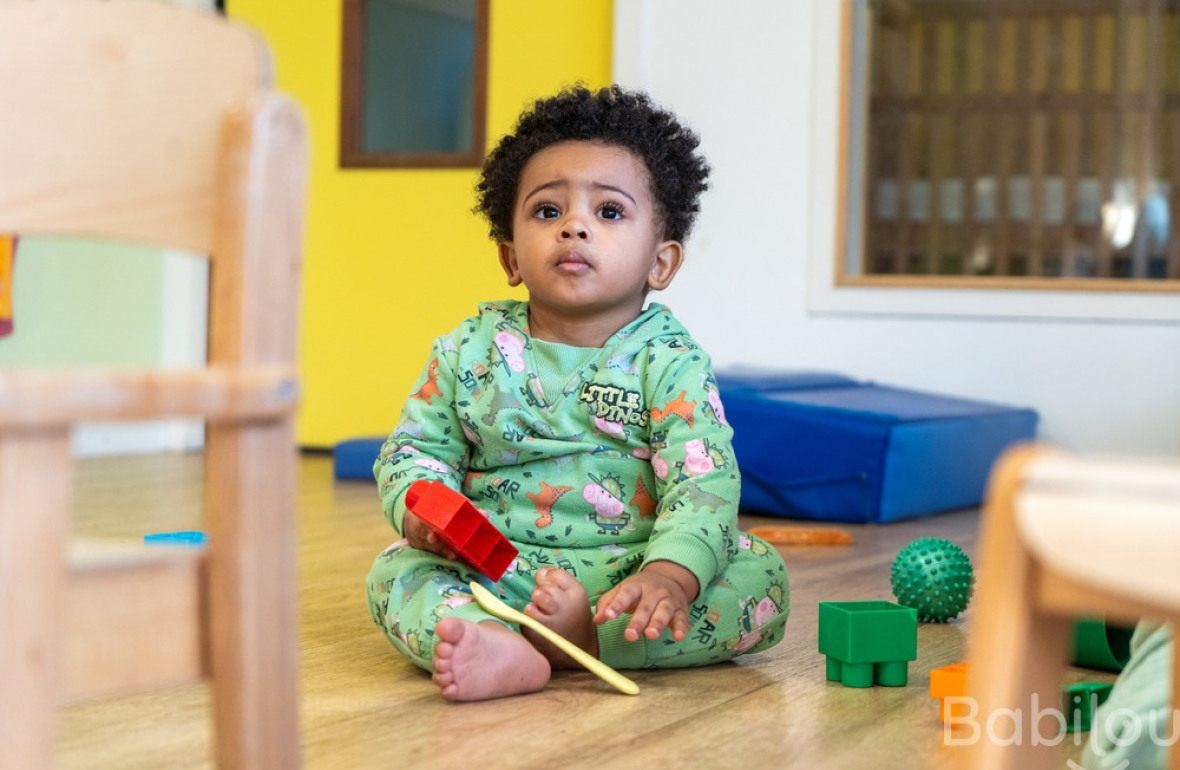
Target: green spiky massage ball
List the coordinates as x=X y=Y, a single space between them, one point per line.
x=934 y=576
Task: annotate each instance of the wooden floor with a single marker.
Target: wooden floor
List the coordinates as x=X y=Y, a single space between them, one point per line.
x=363 y=706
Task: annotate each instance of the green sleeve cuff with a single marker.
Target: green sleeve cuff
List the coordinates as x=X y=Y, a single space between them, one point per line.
x=396 y=503
x=613 y=648
x=688 y=551
x=397 y=514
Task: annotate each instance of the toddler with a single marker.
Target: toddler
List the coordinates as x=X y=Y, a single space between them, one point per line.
x=1136 y=727
x=588 y=427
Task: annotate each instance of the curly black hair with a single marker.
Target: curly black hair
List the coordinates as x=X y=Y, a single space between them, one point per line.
x=613 y=116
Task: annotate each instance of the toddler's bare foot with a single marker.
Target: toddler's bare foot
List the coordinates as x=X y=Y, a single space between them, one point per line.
x=561 y=604
x=486 y=660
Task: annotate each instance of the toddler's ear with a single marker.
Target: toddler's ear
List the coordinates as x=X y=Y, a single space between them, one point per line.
x=508 y=262
x=669 y=256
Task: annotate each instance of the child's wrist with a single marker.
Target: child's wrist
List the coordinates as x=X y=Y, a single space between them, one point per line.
x=678 y=574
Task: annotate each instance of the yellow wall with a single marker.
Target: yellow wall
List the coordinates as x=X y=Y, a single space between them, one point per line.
x=394 y=257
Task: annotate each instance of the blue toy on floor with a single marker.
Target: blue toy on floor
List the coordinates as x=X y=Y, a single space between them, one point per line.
x=186 y=537
x=354 y=458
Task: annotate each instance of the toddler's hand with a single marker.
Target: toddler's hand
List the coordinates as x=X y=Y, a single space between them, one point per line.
x=657 y=597
x=423 y=537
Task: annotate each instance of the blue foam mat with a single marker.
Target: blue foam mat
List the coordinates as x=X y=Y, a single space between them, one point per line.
x=354 y=458
x=860 y=452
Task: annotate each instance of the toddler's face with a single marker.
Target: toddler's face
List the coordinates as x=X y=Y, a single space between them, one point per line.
x=586 y=236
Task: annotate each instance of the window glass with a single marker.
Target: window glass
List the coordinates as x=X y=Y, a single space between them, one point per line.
x=413 y=82
x=1025 y=140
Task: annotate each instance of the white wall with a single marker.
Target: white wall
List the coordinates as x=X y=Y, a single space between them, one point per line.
x=758 y=80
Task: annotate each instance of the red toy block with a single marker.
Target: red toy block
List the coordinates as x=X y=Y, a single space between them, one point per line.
x=947 y=682
x=461 y=526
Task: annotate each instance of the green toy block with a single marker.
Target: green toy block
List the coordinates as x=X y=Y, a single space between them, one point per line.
x=1080 y=701
x=868 y=643
x=1099 y=645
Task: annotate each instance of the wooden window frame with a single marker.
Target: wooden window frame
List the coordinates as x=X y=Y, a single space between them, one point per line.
x=352 y=99
x=846 y=187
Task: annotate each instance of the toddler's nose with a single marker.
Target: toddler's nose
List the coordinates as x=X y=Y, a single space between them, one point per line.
x=574 y=229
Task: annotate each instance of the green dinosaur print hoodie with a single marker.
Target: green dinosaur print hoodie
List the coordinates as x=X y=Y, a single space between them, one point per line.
x=621 y=451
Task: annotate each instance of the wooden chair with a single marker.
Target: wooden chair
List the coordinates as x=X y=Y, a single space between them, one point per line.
x=144 y=122
x=1064 y=536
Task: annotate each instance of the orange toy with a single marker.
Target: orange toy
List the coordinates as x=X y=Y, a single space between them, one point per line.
x=947 y=682
x=7 y=258
x=802 y=536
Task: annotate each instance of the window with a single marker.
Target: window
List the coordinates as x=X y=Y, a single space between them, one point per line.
x=1012 y=143
x=413 y=89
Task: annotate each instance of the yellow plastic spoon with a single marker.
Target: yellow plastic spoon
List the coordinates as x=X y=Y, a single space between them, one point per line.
x=492 y=604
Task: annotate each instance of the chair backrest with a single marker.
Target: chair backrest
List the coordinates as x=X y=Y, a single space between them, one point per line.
x=98 y=101
x=1072 y=508
x=140 y=121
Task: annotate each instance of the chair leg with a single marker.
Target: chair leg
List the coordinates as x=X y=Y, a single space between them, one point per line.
x=1024 y=656
x=1015 y=650
x=250 y=484
x=1174 y=716
x=36 y=485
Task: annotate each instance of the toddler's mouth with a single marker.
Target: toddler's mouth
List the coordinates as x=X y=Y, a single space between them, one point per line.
x=573 y=262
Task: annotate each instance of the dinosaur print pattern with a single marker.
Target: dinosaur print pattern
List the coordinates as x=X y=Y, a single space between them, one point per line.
x=677 y=407
x=429 y=390
x=597 y=460
x=544 y=500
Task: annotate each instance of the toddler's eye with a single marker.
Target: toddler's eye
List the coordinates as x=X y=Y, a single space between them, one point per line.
x=546 y=211
x=610 y=211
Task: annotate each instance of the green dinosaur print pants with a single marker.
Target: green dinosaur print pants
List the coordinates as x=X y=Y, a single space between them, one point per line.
x=743 y=610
